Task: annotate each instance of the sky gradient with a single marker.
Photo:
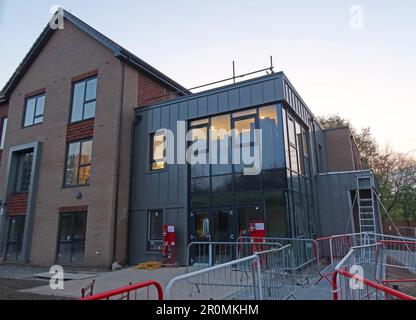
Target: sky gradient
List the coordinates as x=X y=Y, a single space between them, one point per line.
x=366 y=75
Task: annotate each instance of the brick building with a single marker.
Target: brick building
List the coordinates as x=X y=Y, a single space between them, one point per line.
x=67 y=115
x=82 y=184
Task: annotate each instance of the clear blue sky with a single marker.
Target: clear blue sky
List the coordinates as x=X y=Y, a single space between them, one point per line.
x=368 y=75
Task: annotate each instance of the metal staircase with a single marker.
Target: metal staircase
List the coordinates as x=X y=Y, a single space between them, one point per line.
x=366 y=204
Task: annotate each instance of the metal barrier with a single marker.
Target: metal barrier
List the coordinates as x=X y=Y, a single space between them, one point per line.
x=241 y=279
x=347 y=286
x=305 y=261
x=366 y=257
x=201 y=255
x=277 y=274
x=399 y=261
x=131 y=292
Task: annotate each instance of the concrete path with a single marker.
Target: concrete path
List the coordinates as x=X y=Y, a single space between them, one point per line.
x=112 y=280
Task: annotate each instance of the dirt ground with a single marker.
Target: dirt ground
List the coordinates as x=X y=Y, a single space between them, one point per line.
x=9 y=290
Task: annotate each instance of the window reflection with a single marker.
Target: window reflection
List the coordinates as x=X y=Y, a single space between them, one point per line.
x=221 y=134
x=269 y=127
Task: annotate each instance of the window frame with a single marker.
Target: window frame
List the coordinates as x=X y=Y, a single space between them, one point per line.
x=81 y=142
x=85 y=102
x=149 y=241
x=151 y=153
x=19 y=242
x=27 y=99
x=17 y=184
x=3 y=127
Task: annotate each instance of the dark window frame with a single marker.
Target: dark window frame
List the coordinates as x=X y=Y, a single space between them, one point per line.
x=72 y=241
x=151 y=154
x=79 y=166
x=149 y=240
x=36 y=97
x=85 y=102
x=3 y=129
x=18 y=242
x=18 y=181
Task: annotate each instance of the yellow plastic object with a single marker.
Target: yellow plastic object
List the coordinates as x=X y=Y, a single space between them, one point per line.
x=150 y=265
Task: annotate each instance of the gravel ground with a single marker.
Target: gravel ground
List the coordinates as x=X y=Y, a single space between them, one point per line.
x=9 y=290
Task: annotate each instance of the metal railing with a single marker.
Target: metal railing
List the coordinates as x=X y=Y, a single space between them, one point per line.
x=201 y=255
x=277 y=274
x=263 y=275
x=367 y=258
x=347 y=286
x=304 y=255
x=131 y=292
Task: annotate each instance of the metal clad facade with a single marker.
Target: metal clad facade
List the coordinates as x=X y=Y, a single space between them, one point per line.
x=167 y=190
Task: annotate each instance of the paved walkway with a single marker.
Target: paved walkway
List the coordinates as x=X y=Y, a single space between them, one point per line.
x=105 y=281
x=111 y=280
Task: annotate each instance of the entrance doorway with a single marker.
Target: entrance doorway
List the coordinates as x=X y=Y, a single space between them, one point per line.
x=215 y=227
x=15 y=239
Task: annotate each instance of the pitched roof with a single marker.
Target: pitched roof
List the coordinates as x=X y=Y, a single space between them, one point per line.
x=119 y=52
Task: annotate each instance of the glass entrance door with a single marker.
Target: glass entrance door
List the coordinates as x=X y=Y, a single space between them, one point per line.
x=223 y=250
x=15 y=239
x=200 y=236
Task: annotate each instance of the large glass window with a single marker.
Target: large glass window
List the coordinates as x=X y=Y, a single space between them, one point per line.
x=276 y=214
x=245 y=127
x=71 y=240
x=221 y=134
x=270 y=135
x=157 y=152
x=3 y=130
x=217 y=184
x=35 y=107
x=155 y=230
x=84 y=95
x=23 y=172
x=78 y=164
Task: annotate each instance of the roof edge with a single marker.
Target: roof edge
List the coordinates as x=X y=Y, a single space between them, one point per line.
x=118 y=51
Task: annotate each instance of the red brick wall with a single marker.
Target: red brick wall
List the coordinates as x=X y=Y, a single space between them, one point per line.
x=80 y=130
x=151 y=91
x=17 y=204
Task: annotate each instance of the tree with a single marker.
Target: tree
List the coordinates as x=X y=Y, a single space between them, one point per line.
x=395 y=172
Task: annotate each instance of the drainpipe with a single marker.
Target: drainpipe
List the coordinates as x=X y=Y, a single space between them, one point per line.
x=117 y=182
x=137 y=120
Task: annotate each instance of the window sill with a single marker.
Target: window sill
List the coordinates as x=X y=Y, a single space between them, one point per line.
x=157 y=171
x=32 y=125
x=19 y=193
x=76 y=186
x=80 y=121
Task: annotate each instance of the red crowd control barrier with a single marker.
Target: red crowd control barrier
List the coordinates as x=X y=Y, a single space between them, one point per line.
x=128 y=293
x=370 y=290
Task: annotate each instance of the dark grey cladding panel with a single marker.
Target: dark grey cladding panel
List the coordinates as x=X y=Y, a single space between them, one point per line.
x=213 y=104
x=183 y=111
x=156 y=117
x=234 y=99
x=202 y=107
